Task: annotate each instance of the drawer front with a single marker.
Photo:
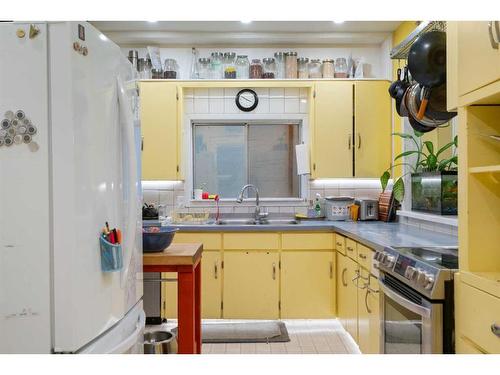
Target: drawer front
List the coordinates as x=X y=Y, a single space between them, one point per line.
x=365 y=255
x=351 y=249
x=340 y=243
x=464 y=346
x=210 y=241
x=251 y=241
x=307 y=241
x=477 y=313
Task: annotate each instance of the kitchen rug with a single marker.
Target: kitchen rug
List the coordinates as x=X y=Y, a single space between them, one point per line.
x=243 y=332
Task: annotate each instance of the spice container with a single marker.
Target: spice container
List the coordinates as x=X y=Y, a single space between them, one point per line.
x=229 y=65
x=314 y=69
x=302 y=72
x=291 y=65
x=256 y=69
x=170 y=69
x=269 y=68
x=216 y=63
x=204 y=70
x=341 y=68
x=156 y=73
x=279 y=58
x=242 y=67
x=144 y=68
x=327 y=68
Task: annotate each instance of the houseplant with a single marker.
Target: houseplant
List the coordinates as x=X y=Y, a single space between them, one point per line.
x=434 y=178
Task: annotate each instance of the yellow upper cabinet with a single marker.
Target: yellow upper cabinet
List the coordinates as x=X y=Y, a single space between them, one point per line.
x=160 y=131
x=372 y=128
x=331 y=152
x=478 y=62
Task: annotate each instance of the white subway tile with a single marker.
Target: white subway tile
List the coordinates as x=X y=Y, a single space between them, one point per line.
x=216 y=100
x=276 y=100
x=166 y=198
x=347 y=192
x=287 y=210
x=151 y=197
x=292 y=102
x=229 y=100
x=241 y=210
x=331 y=192
x=201 y=100
x=367 y=193
x=263 y=95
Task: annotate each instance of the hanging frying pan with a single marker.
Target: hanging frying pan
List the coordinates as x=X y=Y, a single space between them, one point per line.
x=427 y=64
x=418 y=126
x=394 y=85
x=400 y=92
x=433 y=116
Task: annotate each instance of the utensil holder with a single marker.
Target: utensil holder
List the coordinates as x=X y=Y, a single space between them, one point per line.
x=111 y=256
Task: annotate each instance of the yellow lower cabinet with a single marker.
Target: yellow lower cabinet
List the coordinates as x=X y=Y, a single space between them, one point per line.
x=368 y=315
x=347 y=301
x=307 y=284
x=251 y=285
x=211 y=288
x=464 y=346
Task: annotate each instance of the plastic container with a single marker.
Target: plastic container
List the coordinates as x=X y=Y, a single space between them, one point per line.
x=302 y=69
x=314 y=69
x=111 y=255
x=256 y=69
x=291 y=65
x=338 y=208
x=242 y=67
x=279 y=58
x=328 y=68
x=341 y=68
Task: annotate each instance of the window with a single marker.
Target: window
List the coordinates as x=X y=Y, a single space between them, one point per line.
x=229 y=155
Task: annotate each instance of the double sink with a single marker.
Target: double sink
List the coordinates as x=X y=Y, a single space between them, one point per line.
x=250 y=221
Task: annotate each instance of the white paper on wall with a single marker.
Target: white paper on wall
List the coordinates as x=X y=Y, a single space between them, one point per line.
x=302 y=154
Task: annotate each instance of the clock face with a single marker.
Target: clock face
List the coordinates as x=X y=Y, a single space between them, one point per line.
x=247 y=100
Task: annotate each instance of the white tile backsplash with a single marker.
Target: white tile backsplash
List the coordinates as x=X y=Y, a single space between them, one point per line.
x=201 y=100
x=216 y=100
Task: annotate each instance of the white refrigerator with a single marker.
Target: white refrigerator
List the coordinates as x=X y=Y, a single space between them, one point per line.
x=69 y=163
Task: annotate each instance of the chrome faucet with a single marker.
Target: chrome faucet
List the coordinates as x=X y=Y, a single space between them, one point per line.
x=258 y=215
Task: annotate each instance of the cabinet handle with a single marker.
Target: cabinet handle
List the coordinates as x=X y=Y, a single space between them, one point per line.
x=366 y=301
x=495 y=329
x=349 y=141
x=343 y=279
x=339 y=244
x=493 y=42
x=497 y=29
x=359 y=140
x=142 y=143
x=362 y=256
x=350 y=248
x=331 y=270
x=274 y=271
x=216 y=268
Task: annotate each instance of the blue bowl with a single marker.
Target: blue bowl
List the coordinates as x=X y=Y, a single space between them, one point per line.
x=156 y=242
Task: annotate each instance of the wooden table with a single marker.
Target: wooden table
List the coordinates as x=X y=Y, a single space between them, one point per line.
x=185 y=259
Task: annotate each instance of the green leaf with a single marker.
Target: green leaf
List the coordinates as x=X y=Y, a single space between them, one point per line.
x=455 y=140
x=444 y=148
x=417 y=133
x=384 y=180
x=403 y=135
x=432 y=162
x=406 y=153
x=398 y=190
x=430 y=146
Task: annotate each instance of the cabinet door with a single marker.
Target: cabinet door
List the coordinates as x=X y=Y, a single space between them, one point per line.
x=160 y=131
x=347 y=303
x=478 y=60
x=373 y=126
x=251 y=285
x=211 y=288
x=352 y=301
x=331 y=153
x=368 y=316
x=307 y=284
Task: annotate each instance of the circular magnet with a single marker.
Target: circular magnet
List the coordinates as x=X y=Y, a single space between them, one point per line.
x=1 y=142
x=3 y=133
x=20 y=115
x=20 y=33
x=5 y=124
x=9 y=115
x=22 y=129
x=26 y=121
x=32 y=129
x=27 y=138
x=33 y=146
x=18 y=139
x=11 y=132
x=14 y=122
x=8 y=141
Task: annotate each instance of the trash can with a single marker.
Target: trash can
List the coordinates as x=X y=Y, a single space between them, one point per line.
x=160 y=342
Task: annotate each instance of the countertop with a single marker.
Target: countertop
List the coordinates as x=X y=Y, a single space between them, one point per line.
x=177 y=254
x=374 y=234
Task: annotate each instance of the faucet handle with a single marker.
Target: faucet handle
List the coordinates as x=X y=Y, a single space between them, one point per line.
x=263 y=213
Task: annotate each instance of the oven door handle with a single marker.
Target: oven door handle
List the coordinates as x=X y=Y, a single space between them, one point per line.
x=412 y=306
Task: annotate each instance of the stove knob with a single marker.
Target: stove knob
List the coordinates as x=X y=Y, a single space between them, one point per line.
x=420 y=277
x=382 y=258
x=377 y=256
x=429 y=279
x=410 y=273
x=390 y=260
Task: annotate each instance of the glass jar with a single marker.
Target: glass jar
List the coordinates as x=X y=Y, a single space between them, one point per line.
x=340 y=67
x=229 y=65
x=327 y=68
x=242 y=67
x=302 y=72
x=204 y=68
x=170 y=69
x=256 y=69
x=269 y=68
x=291 y=65
x=279 y=58
x=156 y=73
x=314 y=69
x=216 y=62
x=144 y=68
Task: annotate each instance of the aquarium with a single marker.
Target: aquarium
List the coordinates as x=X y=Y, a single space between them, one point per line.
x=435 y=192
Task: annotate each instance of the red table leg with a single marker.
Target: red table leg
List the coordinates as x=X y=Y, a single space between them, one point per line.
x=197 y=307
x=186 y=312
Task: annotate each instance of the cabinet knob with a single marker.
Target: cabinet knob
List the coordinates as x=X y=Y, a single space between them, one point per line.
x=274 y=271
x=216 y=268
x=493 y=42
x=495 y=329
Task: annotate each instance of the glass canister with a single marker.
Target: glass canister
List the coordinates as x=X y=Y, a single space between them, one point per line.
x=156 y=73
x=279 y=58
x=256 y=69
x=302 y=71
x=314 y=69
x=269 y=68
x=216 y=62
x=291 y=65
x=144 y=69
x=170 y=69
x=204 y=67
x=242 y=67
x=327 y=69
x=341 y=67
x=229 y=65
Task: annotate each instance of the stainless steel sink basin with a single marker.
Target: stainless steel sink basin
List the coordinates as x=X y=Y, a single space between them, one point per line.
x=236 y=222
x=280 y=222
x=253 y=222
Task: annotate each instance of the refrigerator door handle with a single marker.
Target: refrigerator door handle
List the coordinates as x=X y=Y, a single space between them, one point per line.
x=127 y=121
x=133 y=338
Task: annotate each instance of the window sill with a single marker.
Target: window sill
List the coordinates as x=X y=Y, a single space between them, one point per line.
x=296 y=202
x=442 y=219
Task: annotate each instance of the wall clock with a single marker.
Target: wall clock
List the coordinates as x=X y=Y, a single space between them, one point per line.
x=247 y=100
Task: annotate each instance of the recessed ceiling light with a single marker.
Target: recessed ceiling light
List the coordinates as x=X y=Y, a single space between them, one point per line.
x=338 y=22
x=152 y=21
x=246 y=21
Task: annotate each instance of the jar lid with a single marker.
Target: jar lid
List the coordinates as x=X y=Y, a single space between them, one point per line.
x=204 y=60
x=328 y=61
x=302 y=60
x=279 y=54
x=255 y=61
x=268 y=60
x=217 y=54
x=230 y=54
x=291 y=54
x=315 y=60
x=242 y=56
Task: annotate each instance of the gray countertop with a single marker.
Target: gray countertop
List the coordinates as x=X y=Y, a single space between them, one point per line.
x=374 y=234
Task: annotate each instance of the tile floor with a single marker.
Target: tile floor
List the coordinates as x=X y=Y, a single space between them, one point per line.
x=308 y=336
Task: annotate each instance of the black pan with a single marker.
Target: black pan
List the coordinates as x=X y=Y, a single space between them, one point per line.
x=394 y=85
x=400 y=92
x=418 y=126
x=427 y=64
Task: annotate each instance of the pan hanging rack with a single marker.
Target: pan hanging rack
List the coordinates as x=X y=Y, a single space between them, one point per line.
x=400 y=52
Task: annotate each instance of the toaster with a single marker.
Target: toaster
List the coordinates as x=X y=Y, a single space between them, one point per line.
x=368 y=208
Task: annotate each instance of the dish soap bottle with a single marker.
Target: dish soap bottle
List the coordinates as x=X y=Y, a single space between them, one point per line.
x=317 y=205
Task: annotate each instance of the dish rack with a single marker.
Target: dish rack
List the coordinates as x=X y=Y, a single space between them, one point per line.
x=182 y=216
x=400 y=52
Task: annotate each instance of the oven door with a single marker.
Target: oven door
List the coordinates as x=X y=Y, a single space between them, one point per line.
x=410 y=324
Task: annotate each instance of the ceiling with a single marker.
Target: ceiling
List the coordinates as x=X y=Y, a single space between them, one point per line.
x=238 y=33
